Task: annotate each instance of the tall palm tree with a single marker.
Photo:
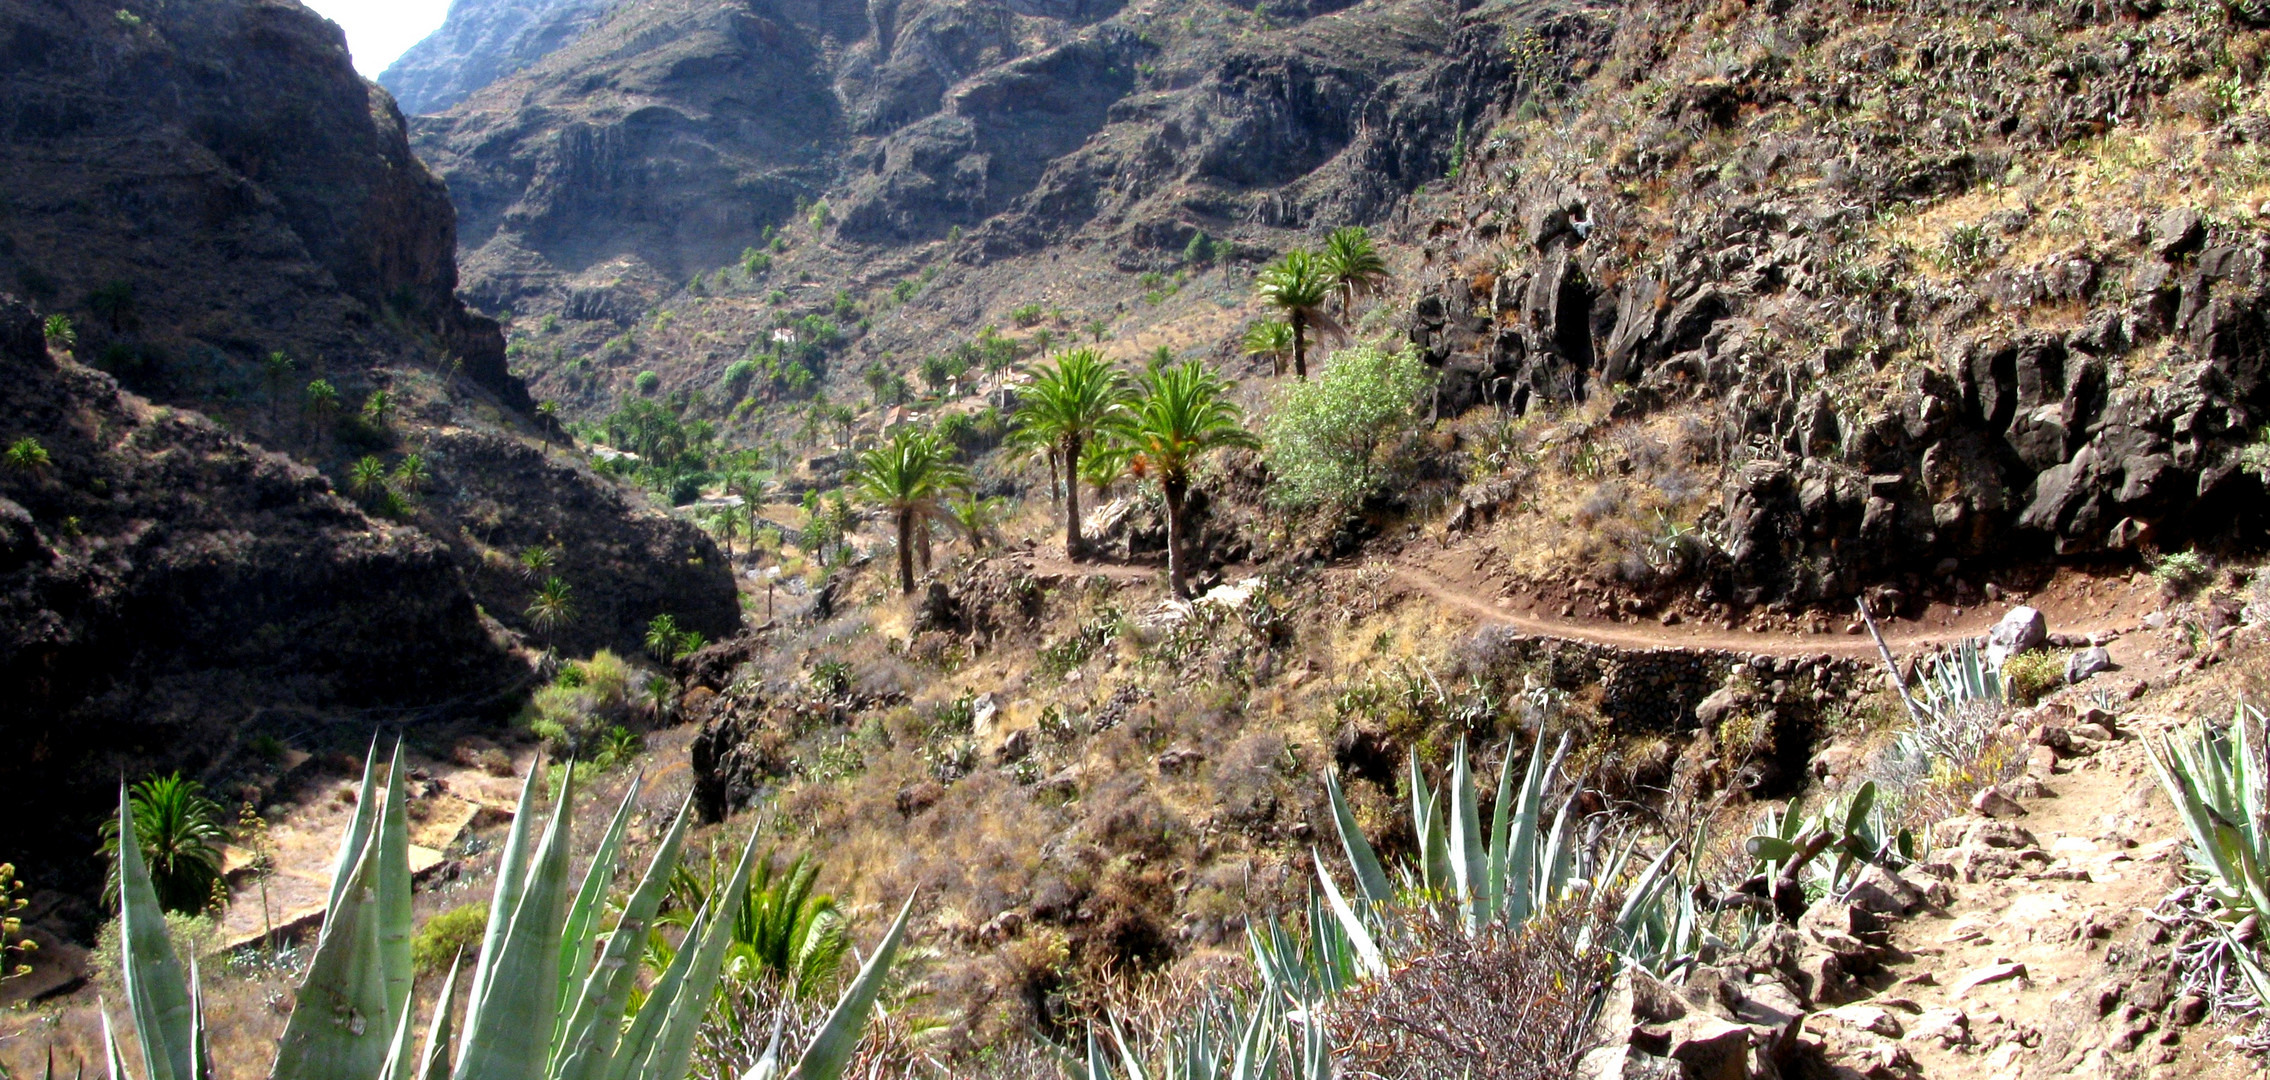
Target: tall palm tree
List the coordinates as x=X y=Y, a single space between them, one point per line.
x=1298 y=285
x=1272 y=338
x=322 y=405
x=910 y=477
x=553 y=606
x=1068 y=404
x=367 y=477
x=276 y=372
x=179 y=831
x=1180 y=414
x=1353 y=266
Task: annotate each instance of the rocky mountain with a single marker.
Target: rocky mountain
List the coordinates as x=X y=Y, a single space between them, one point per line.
x=1921 y=297
x=994 y=151
x=479 y=42
x=252 y=283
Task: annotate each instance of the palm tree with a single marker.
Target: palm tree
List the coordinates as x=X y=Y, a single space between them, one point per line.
x=276 y=372
x=547 y=419
x=783 y=931
x=1298 y=286
x=662 y=637
x=367 y=477
x=1103 y=463
x=1180 y=414
x=322 y=405
x=179 y=831
x=536 y=561
x=1272 y=338
x=1352 y=265
x=412 y=473
x=377 y=407
x=553 y=606
x=910 y=477
x=60 y=334
x=1068 y=404
x=26 y=455
x=979 y=519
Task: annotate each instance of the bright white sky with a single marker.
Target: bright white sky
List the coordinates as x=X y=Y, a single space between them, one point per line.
x=380 y=30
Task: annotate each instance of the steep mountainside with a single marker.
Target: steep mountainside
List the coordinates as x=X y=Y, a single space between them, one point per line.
x=984 y=155
x=480 y=42
x=228 y=223
x=1857 y=297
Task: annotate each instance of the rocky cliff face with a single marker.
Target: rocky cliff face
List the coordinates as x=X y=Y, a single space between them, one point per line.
x=1948 y=294
x=951 y=135
x=197 y=189
x=480 y=42
x=167 y=589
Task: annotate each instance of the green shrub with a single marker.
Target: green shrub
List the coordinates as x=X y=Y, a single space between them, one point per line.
x=647 y=382
x=2182 y=571
x=2028 y=676
x=448 y=934
x=1324 y=439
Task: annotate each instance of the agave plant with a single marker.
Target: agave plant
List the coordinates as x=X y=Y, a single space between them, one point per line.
x=2220 y=781
x=1789 y=844
x=540 y=1007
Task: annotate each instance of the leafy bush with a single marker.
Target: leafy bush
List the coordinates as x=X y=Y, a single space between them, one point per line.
x=2028 y=676
x=647 y=382
x=1324 y=439
x=588 y=698
x=2182 y=571
x=447 y=936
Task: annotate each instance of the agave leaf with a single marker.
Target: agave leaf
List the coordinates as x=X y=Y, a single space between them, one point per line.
x=768 y=1066
x=200 y=1053
x=831 y=1049
x=1521 y=864
x=358 y=832
x=584 y=911
x=637 y=1042
x=157 y=996
x=673 y=1045
x=399 y=1050
x=1099 y=1068
x=116 y=1060
x=1358 y=935
x=339 y=1029
x=511 y=874
x=1496 y=888
x=1426 y=827
x=1127 y=1050
x=1770 y=849
x=394 y=916
x=1370 y=878
x=508 y=1029
x=1467 y=863
x=1856 y=815
x=433 y=1064
x=596 y=1023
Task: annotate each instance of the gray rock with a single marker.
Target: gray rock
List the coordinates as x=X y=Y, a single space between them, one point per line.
x=2087 y=662
x=1709 y=1048
x=2023 y=629
x=1883 y=892
x=2177 y=232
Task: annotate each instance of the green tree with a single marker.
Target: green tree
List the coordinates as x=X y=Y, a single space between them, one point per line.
x=377 y=408
x=909 y=477
x=26 y=455
x=1298 y=286
x=1180 y=414
x=784 y=932
x=322 y=405
x=536 y=561
x=547 y=419
x=60 y=333
x=662 y=637
x=367 y=477
x=179 y=832
x=114 y=301
x=552 y=607
x=276 y=373
x=1103 y=463
x=1068 y=404
x=1352 y=265
x=647 y=382
x=412 y=474
x=1324 y=436
x=1272 y=338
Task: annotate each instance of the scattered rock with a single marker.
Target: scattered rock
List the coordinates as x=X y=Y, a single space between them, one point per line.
x=2000 y=971
x=2024 y=628
x=1867 y=1018
x=1883 y=892
x=1947 y=1027
x=2087 y=662
x=1709 y=1048
x=1992 y=803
